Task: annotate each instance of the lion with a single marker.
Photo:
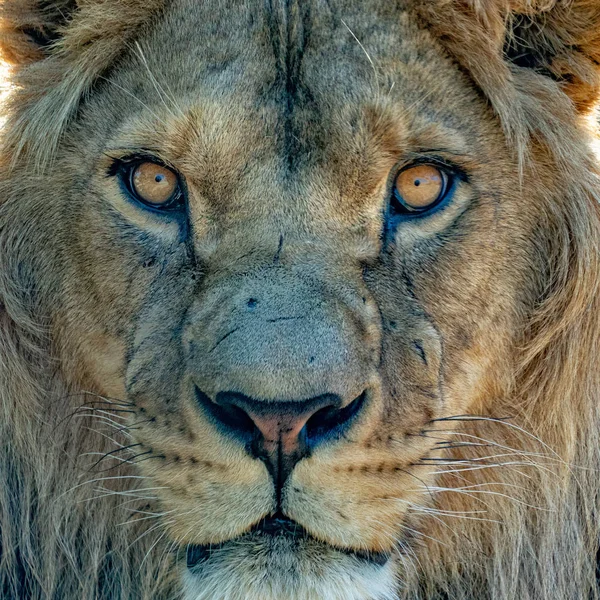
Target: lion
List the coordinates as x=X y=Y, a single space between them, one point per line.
x=299 y=300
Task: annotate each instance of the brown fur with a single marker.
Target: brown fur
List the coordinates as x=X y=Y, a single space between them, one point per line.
x=475 y=463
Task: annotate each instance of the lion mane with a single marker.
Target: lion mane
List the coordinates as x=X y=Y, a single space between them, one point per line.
x=524 y=523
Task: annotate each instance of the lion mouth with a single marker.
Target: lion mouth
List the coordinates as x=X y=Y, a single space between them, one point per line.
x=279 y=527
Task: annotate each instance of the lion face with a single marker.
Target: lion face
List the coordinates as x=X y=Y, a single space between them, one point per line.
x=296 y=245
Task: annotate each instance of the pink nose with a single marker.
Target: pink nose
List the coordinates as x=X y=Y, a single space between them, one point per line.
x=282 y=427
x=280 y=433
x=283 y=431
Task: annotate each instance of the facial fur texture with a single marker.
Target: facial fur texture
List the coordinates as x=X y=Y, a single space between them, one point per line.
x=469 y=335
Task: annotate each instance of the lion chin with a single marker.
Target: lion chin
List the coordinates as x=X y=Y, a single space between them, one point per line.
x=286 y=564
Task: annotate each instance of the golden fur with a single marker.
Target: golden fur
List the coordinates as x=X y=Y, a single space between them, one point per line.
x=478 y=471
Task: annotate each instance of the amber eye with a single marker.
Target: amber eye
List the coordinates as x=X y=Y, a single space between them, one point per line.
x=155 y=184
x=419 y=188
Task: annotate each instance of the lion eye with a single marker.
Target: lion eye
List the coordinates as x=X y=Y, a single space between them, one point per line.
x=155 y=184
x=419 y=188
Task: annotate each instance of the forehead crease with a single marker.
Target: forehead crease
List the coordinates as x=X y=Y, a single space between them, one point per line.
x=299 y=78
x=288 y=51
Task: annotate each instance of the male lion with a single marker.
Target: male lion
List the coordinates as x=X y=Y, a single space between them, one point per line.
x=299 y=300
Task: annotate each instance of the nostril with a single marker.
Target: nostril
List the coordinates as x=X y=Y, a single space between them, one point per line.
x=228 y=416
x=289 y=427
x=235 y=418
x=322 y=422
x=331 y=422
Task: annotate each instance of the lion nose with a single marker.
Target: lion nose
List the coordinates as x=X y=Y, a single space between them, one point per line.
x=281 y=433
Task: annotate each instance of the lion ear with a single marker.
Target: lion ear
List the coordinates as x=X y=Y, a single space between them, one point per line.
x=59 y=49
x=30 y=28
x=559 y=39
x=536 y=61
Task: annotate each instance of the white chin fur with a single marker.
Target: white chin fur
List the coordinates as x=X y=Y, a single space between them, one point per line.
x=274 y=570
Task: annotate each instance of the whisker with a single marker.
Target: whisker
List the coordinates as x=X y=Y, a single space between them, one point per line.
x=131 y=95
x=148 y=531
x=162 y=94
x=100 y=479
x=152 y=516
x=112 y=452
x=467 y=417
x=158 y=539
x=418 y=534
x=504 y=421
x=434 y=513
x=491 y=493
x=523 y=453
x=491 y=466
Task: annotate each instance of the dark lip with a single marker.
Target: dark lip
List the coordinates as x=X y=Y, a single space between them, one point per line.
x=279 y=525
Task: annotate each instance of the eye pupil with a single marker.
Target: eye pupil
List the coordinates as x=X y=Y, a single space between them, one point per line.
x=154 y=184
x=419 y=188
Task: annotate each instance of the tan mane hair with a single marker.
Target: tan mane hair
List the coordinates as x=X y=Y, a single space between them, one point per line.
x=537 y=493
x=521 y=482
x=66 y=530
x=79 y=47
